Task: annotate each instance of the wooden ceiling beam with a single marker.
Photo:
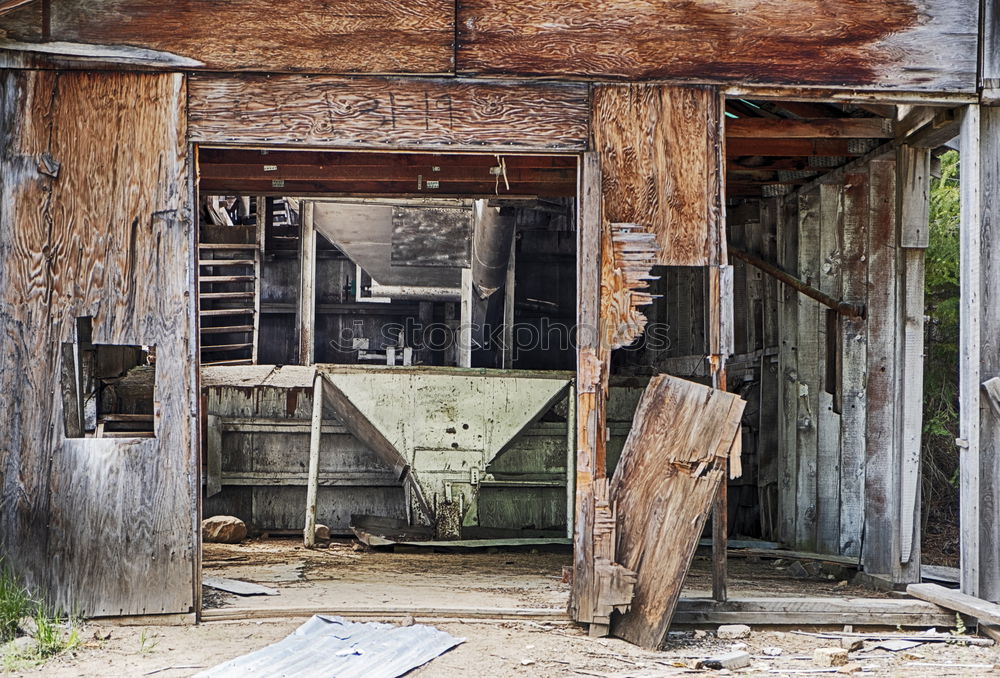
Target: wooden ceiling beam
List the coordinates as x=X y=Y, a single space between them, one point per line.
x=738 y=146
x=390 y=188
x=383 y=173
x=249 y=156
x=813 y=128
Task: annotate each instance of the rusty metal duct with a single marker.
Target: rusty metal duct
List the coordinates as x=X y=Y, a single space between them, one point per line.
x=493 y=234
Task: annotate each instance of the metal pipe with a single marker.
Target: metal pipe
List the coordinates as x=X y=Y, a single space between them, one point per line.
x=416 y=292
x=493 y=233
x=841 y=307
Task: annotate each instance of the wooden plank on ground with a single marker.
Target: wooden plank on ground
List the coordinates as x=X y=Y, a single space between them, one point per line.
x=332 y=112
x=843 y=43
x=957 y=601
x=652 y=173
x=812 y=612
x=353 y=36
x=663 y=489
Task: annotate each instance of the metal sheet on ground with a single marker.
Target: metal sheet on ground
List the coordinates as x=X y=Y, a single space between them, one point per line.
x=332 y=646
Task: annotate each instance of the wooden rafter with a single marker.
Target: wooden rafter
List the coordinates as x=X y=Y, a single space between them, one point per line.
x=814 y=128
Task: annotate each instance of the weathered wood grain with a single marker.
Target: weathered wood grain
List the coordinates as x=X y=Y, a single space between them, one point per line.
x=880 y=453
x=813 y=128
x=808 y=382
x=659 y=165
x=668 y=476
x=788 y=388
x=898 y=44
x=349 y=36
x=94 y=521
x=854 y=352
x=390 y=113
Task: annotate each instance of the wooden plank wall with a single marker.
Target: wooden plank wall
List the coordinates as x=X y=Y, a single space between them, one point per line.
x=94 y=521
x=901 y=45
x=328 y=111
x=846 y=448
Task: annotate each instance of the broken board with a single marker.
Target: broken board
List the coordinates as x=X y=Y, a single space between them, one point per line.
x=669 y=473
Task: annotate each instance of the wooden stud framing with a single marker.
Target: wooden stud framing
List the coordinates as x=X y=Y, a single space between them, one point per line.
x=306 y=315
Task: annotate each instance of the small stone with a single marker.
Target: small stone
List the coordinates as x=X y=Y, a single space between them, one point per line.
x=408 y=620
x=738 y=646
x=27 y=626
x=322 y=532
x=699 y=634
x=852 y=644
x=730 y=660
x=830 y=656
x=23 y=644
x=772 y=651
x=527 y=662
x=798 y=570
x=840 y=584
x=849 y=668
x=733 y=631
x=223 y=530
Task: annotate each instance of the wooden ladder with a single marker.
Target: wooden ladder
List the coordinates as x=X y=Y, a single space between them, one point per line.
x=229 y=298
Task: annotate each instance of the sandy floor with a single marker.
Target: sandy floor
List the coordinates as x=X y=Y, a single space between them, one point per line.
x=341 y=576
x=503 y=650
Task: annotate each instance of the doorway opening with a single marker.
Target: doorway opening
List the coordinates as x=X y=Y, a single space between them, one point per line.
x=388 y=337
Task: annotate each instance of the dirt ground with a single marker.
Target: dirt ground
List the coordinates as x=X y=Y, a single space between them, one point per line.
x=343 y=577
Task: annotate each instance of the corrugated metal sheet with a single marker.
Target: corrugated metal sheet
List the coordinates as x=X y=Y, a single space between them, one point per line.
x=332 y=647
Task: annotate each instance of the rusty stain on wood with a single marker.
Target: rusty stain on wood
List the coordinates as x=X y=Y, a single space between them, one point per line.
x=394 y=113
x=846 y=43
x=350 y=36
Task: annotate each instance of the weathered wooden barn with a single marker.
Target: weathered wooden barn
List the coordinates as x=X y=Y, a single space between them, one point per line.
x=219 y=225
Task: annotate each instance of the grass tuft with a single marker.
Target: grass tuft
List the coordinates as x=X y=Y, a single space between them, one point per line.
x=51 y=633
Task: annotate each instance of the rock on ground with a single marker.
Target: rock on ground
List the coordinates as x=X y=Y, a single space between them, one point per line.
x=223 y=529
x=830 y=656
x=733 y=632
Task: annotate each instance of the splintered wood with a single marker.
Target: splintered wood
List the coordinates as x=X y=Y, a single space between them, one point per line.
x=632 y=253
x=662 y=492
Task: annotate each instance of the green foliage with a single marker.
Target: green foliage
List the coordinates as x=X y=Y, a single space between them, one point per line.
x=941 y=290
x=14 y=603
x=51 y=634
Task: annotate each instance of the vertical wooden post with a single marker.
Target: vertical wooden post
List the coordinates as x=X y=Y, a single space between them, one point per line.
x=912 y=185
x=589 y=413
x=788 y=388
x=979 y=423
x=720 y=315
x=307 y=287
x=570 y=460
x=465 y=321
x=315 y=435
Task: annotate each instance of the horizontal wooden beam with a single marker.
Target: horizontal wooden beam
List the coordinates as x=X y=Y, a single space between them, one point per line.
x=825 y=128
x=227 y=155
x=449 y=189
x=433 y=169
x=790 y=147
x=416 y=114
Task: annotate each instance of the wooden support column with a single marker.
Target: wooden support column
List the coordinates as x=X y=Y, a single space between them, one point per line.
x=465 y=320
x=315 y=435
x=912 y=185
x=788 y=240
x=979 y=420
x=307 y=286
x=590 y=419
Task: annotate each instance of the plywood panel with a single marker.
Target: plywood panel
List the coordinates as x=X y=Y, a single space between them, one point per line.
x=663 y=488
x=388 y=113
x=659 y=166
x=107 y=236
x=896 y=44
x=349 y=36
